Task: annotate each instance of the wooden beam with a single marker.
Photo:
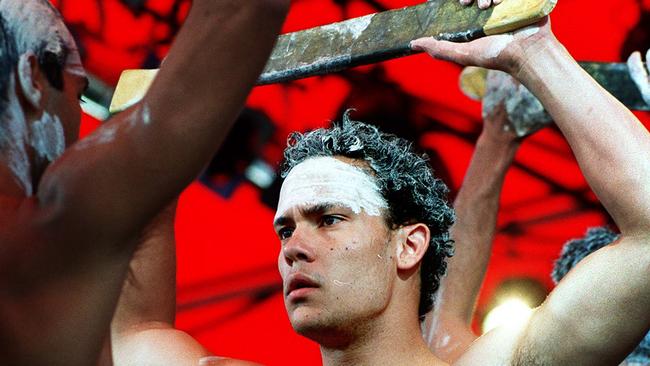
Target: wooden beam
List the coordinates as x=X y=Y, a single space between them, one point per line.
x=614 y=77
x=365 y=40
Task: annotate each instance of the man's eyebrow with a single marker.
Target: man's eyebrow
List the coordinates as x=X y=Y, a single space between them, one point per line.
x=312 y=210
x=317 y=209
x=281 y=221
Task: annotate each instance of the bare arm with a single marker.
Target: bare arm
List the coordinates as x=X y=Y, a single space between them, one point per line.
x=142 y=330
x=105 y=188
x=599 y=312
x=64 y=257
x=447 y=329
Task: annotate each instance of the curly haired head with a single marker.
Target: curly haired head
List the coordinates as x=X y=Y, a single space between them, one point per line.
x=577 y=249
x=405 y=180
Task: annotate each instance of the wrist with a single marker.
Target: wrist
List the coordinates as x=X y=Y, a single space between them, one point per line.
x=530 y=56
x=503 y=149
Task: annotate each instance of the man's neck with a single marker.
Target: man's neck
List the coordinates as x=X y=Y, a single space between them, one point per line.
x=387 y=343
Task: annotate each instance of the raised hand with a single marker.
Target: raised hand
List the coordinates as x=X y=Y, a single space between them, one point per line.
x=498 y=52
x=639 y=74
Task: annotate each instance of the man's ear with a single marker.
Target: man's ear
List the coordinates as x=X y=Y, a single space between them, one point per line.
x=413 y=243
x=30 y=83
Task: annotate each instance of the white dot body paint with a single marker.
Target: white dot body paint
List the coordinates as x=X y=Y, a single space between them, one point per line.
x=498 y=45
x=327 y=180
x=47 y=137
x=639 y=74
x=139 y=115
x=502 y=41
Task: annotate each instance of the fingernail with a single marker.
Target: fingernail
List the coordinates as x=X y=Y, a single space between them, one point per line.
x=206 y=361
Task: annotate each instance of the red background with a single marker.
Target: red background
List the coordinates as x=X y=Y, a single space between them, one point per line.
x=227 y=282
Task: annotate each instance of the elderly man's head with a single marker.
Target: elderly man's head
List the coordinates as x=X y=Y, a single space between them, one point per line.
x=41 y=80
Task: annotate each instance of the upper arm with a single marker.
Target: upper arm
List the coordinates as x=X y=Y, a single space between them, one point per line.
x=599 y=311
x=112 y=182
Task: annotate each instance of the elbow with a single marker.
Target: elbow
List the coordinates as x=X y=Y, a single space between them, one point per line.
x=275 y=7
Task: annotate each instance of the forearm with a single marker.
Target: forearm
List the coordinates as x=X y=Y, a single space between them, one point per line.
x=476 y=206
x=609 y=142
x=111 y=183
x=447 y=330
x=149 y=292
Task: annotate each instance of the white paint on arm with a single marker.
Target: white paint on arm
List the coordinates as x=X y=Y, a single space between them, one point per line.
x=502 y=41
x=139 y=115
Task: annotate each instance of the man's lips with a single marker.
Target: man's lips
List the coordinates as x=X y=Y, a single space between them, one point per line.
x=299 y=284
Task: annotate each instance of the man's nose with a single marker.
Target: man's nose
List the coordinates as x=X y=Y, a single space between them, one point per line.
x=298 y=248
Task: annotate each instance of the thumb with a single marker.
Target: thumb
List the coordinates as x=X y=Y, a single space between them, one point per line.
x=443 y=50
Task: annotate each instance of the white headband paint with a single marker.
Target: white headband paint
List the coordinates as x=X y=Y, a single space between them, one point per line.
x=327 y=180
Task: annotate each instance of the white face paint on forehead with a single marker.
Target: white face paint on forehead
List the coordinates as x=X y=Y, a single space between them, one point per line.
x=327 y=180
x=33 y=22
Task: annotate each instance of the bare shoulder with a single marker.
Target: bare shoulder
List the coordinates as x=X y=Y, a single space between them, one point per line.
x=164 y=345
x=496 y=348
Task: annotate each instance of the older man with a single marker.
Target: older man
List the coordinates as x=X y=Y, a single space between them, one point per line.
x=71 y=210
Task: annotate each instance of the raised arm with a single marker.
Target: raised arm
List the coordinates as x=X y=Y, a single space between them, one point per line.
x=109 y=185
x=447 y=329
x=142 y=330
x=72 y=242
x=599 y=312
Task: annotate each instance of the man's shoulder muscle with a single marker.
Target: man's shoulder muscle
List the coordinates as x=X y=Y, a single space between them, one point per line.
x=498 y=347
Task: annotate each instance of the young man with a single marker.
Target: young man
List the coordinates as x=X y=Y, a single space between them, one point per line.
x=363 y=226
x=70 y=211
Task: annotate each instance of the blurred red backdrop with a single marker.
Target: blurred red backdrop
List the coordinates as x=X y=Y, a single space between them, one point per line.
x=228 y=288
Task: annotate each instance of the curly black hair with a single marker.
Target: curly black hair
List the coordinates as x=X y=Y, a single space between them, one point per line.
x=577 y=249
x=405 y=180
